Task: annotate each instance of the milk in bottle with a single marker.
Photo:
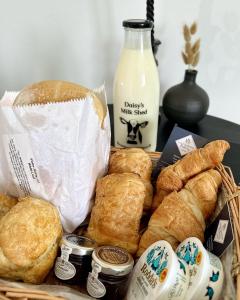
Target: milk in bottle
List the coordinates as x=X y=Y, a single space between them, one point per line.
x=136 y=89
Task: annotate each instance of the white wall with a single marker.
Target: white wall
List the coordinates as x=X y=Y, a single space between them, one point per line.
x=80 y=41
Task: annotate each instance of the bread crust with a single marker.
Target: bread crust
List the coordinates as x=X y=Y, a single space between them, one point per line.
x=50 y=91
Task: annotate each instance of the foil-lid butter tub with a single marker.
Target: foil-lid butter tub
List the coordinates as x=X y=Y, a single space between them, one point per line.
x=205 y=269
x=159 y=274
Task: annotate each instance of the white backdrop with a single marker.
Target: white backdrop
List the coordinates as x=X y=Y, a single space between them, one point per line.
x=80 y=41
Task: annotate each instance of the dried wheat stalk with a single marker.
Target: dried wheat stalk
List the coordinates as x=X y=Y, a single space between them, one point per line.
x=191 y=53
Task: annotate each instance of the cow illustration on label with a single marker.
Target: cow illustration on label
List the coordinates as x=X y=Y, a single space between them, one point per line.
x=134 y=134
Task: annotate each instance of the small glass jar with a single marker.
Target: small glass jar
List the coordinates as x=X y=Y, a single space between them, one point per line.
x=74 y=264
x=111 y=267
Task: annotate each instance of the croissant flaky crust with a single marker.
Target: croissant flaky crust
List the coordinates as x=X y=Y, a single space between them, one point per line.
x=29 y=236
x=204 y=188
x=115 y=217
x=181 y=214
x=131 y=160
x=174 y=177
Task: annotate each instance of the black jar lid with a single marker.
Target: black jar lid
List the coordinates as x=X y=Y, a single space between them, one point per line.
x=138 y=23
x=113 y=260
x=80 y=245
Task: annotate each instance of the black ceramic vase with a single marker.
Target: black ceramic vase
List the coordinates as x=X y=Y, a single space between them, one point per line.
x=186 y=103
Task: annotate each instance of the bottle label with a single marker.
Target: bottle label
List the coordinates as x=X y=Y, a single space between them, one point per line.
x=95 y=287
x=63 y=269
x=134 y=117
x=134 y=109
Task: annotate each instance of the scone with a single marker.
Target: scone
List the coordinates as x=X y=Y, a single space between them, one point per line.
x=29 y=237
x=6 y=203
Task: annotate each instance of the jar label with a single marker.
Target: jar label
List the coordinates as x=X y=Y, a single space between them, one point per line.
x=64 y=270
x=65 y=252
x=95 y=287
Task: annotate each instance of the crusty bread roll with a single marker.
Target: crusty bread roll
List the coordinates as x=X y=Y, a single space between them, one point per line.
x=115 y=217
x=6 y=203
x=174 y=177
x=181 y=214
x=57 y=91
x=29 y=237
x=131 y=160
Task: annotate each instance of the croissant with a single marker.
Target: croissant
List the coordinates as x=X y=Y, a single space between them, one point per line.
x=181 y=214
x=131 y=160
x=116 y=215
x=207 y=196
x=148 y=195
x=174 y=177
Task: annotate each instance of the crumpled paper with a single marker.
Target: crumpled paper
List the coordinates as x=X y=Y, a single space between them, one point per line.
x=54 y=151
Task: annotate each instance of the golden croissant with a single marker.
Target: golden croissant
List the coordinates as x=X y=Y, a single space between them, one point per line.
x=181 y=214
x=174 y=177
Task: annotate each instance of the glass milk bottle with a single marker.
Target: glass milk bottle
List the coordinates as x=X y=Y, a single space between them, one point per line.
x=136 y=89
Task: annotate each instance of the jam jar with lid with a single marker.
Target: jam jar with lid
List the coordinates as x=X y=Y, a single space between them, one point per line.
x=111 y=267
x=74 y=263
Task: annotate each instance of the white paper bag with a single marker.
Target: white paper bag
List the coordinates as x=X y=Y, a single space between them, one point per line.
x=54 y=151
